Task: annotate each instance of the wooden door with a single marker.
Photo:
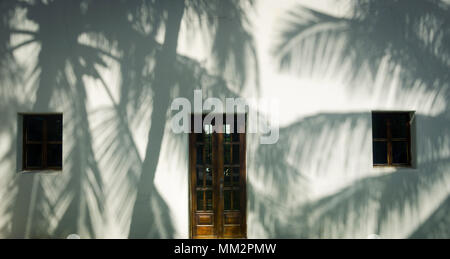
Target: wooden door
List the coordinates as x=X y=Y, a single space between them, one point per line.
x=218 y=183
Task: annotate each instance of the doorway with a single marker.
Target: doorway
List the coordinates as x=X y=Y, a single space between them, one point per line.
x=217 y=169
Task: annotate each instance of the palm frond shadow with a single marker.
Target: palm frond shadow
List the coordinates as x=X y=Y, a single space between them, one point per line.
x=57 y=206
x=437 y=225
x=408 y=36
x=389 y=204
x=76 y=40
x=405 y=41
x=119 y=154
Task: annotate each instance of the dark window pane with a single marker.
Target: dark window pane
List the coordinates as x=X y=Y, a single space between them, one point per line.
x=227 y=138
x=227 y=200
x=199 y=137
x=199 y=154
x=379 y=129
x=54 y=155
x=33 y=155
x=227 y=176
x=236 y=176
x=236 y=154
x=227 y=133
x=236 y=203
x=199 y=176
x=34 y=128
x=207 y=138
x=54 y=128
x=399 y=152
x=208 y=152
x=399 y=125
x=209 y=177
x=200 y=200
x=227 y=154
x=209 y=200
x=236 y=128
x=379 y=153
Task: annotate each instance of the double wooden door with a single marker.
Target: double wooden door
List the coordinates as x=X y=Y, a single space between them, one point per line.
x=218 y=182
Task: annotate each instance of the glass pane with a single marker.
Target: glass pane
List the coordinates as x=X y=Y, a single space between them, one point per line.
x=34 y=155
x=236 y=154
x=379 y=129
x=54 y=127
x=227 y=176
x=227 y=154
x=209 y=176
x=54 y=155
x=209 y=200
x=227 y=133
x=379 y=153
x=399 y=152
x=199 y=154
x=199 y=137
x=200 y=200
x=208 y=152
x=236 y=176
x=34 y=128
x=236 y=127
x=227 y=200
x=199 y=176
x=208 y=143
x=236 y=202
x=399 y=125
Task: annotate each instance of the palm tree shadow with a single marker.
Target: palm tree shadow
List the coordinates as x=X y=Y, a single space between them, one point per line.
x=376 y=35
x=366 y=203
x=172 y=78
x=408 y=39
x=39 y=199
x=437 y=225
x=37 y=205
x=74 y=199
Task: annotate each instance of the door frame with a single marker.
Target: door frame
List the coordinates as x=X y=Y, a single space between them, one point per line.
x=191 y=170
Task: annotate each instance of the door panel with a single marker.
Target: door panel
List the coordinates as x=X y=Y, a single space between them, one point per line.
x=217 y=174
x=203 y=180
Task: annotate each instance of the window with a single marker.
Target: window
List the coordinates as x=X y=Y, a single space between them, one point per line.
x=391 y=132
x=42 y=142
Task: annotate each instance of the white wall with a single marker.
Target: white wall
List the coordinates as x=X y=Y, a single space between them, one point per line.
x=317 y=181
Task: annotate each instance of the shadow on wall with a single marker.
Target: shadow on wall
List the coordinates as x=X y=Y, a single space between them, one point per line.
x=399 y=35
x=106 y=183
x=437 y=226
x=406 y=41
x=390 y=204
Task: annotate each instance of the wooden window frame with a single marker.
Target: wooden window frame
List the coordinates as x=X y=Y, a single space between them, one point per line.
x=44 y=143
x=389 y=140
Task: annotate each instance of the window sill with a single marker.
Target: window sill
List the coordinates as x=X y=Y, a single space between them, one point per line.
x=395 y=167
x=41 y=171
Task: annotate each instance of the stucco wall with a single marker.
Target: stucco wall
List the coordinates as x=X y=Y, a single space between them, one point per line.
x=317 y=181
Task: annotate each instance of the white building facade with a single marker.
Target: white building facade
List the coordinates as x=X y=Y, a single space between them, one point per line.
x=110 y=72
